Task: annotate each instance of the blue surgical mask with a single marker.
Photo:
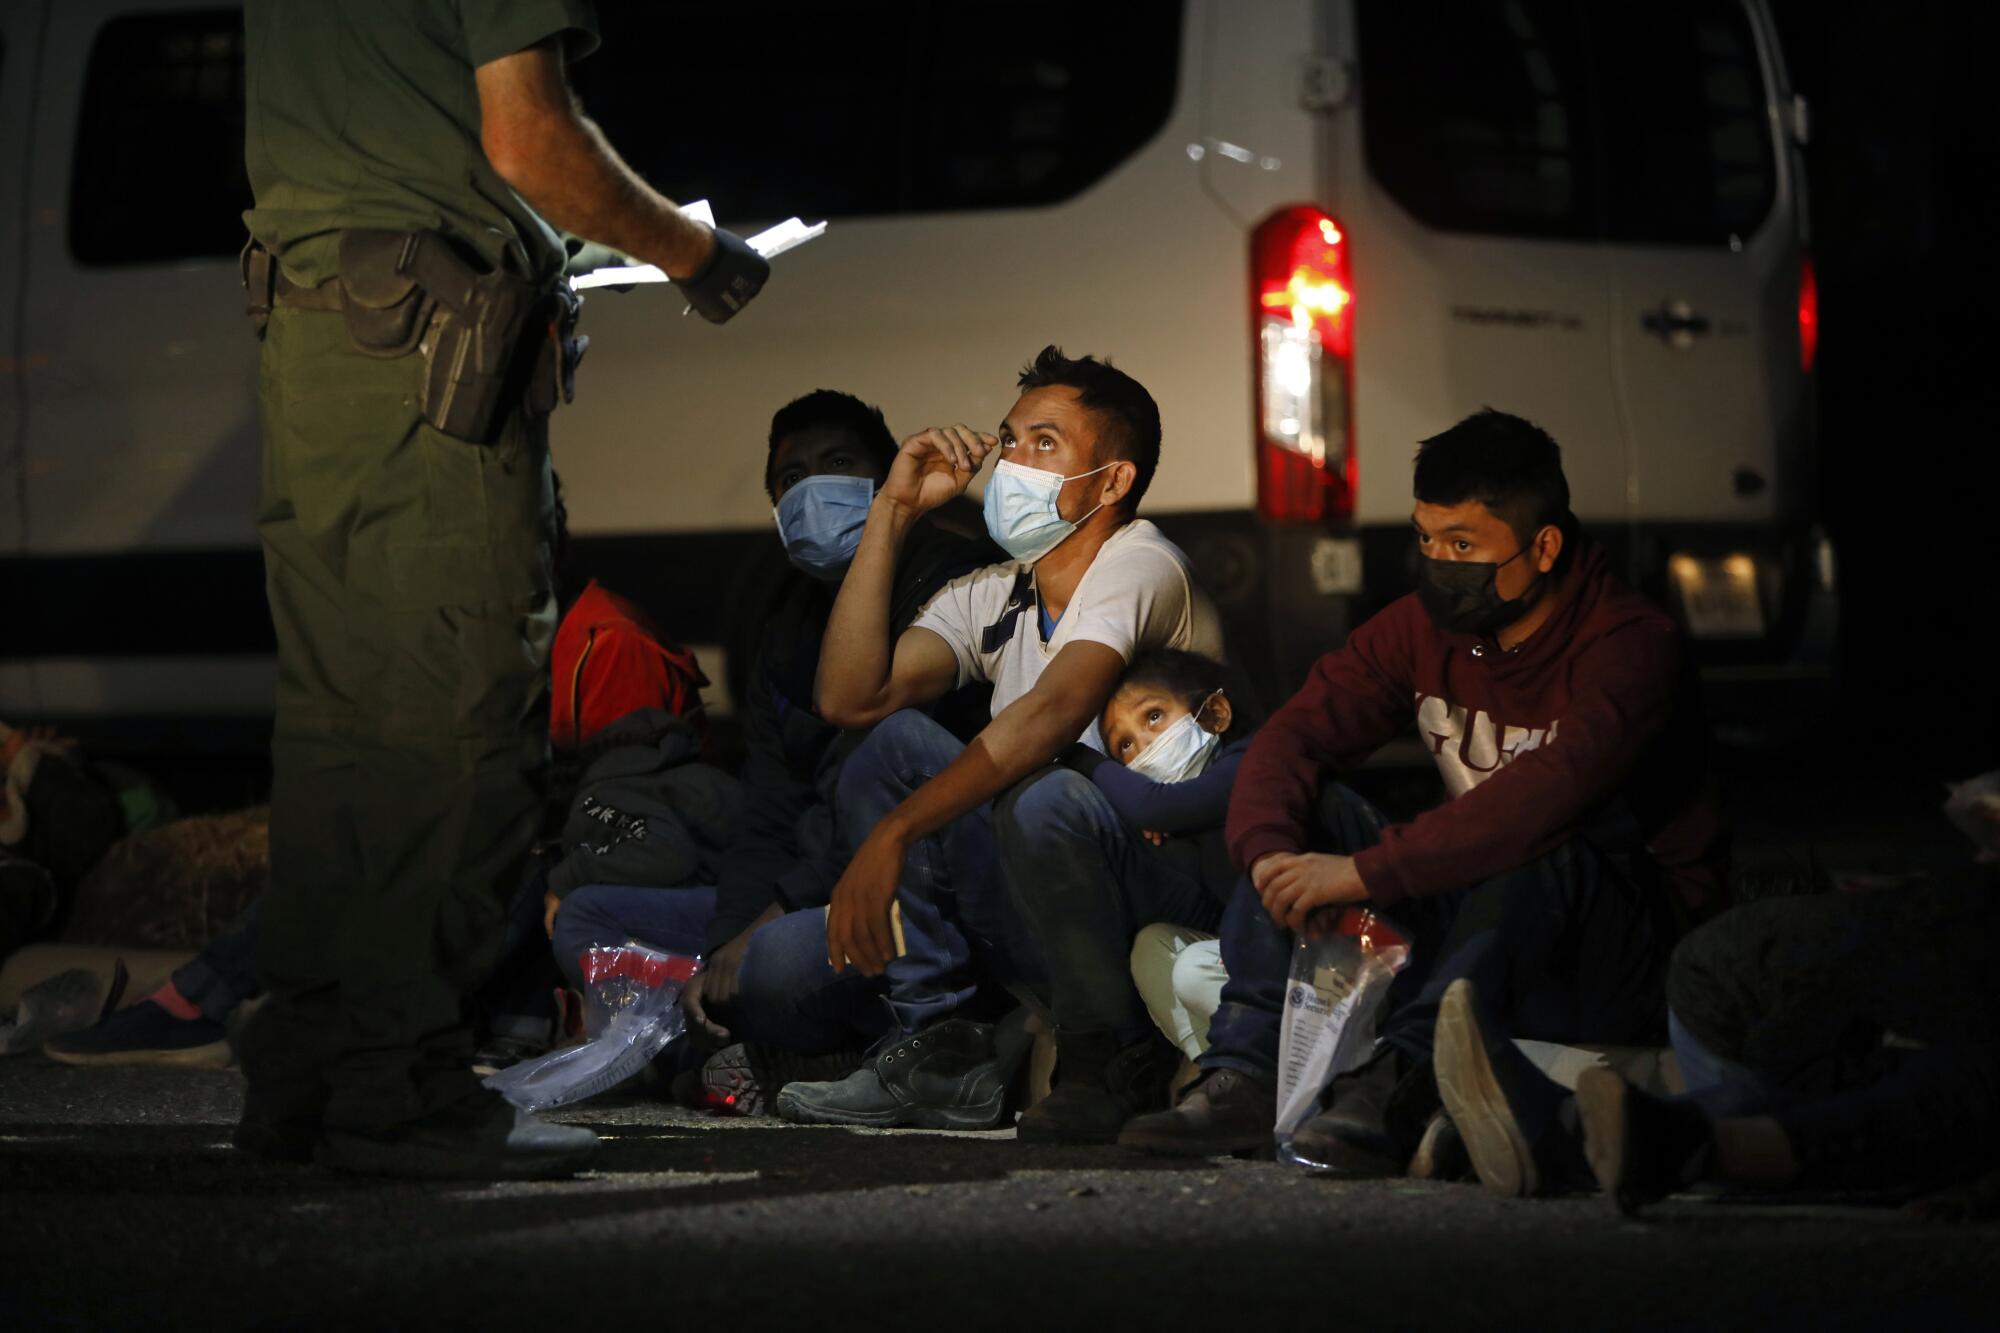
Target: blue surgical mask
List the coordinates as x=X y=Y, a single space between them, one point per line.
x=1180 y=752
x=821 y=519
x=1021 y=512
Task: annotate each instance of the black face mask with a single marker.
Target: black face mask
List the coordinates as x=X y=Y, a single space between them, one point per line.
x=1460 y=598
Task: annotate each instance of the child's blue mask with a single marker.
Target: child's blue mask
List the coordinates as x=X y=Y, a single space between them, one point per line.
x=1180 y=752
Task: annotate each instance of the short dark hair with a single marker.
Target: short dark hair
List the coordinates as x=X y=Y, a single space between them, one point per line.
x=1510 y=465
x=831 y=409
x=1191 y=678
x=1129 y=419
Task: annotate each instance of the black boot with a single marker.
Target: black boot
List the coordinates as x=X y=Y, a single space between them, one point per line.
x=1226 y=1111
x=1099 y=1085
x=1375 y=1117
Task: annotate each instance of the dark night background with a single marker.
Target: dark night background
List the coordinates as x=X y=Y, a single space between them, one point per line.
x=1894 y=167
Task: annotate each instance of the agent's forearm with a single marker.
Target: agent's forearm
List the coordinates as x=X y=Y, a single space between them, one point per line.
x=570 y=174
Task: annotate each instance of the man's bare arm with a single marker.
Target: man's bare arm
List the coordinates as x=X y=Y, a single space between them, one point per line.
x=541 y=143
x=862 y=679
x=1028 y=733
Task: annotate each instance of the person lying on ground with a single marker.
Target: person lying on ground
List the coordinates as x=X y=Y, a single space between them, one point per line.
x=944 y=829
x=1837 y=1041
x=1579 y=828
x=828 y=453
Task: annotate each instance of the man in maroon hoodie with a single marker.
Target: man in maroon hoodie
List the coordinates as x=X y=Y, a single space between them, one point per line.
x=1579 y=837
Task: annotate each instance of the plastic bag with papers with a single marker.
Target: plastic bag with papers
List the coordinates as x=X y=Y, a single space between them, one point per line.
x=631 y=1013
x=1338 y=982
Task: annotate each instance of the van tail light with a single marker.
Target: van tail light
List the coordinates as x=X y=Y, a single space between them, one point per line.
x=1808 y=314
x=1302 y=330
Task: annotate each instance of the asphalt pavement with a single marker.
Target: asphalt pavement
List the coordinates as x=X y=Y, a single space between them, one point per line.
x=121 y=1206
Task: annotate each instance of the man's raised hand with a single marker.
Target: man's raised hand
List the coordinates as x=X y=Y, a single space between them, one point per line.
x=935 y=466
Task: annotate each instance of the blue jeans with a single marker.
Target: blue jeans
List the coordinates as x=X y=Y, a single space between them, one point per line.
x=786 y=993
x=1569 y=947
x=224 y=974
x=1087 y=884
x=959 y=922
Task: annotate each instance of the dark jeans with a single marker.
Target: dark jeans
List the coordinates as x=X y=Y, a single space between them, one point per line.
x=224 y=974
x=1781 y=1006
x=959 y=922
x=671 y=920
x=1087 y=884
x=1568 y=948
x=786 y=994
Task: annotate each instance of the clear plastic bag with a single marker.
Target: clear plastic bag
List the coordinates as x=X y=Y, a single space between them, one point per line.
x=631 y=1013
x=1974 y=807
x=1338 y=982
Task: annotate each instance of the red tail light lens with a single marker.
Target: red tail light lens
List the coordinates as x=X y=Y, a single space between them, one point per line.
x=1808 y=314
x=1302 y=325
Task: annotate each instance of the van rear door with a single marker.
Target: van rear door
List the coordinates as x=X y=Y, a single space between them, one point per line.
x=1705 y=259
x=1479 y=280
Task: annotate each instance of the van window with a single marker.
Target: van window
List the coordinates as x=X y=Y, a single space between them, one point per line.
x=855 y=107
x=1685 y=122
x=1563 y=118
x=159 y=148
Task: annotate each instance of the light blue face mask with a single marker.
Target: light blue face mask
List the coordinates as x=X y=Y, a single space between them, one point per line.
x=821 y=519
x=1021 y=511
x=1180 y=752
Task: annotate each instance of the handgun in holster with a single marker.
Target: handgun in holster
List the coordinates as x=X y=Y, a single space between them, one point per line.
x=482 y=332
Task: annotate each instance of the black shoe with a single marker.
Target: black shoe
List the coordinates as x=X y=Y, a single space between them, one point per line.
x=1640 y=1148
x=145 y=1034
x=1099 y=1085
x=746 y=1078
x=1374 y=1119
x=1226 y=1112
x=1441 y=1153
x=945 y=1077
x=484 y=1142
x=1518 y=1124
x=281 y=1123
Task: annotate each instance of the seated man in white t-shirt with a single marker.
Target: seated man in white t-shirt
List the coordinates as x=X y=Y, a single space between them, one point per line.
x=932 y=820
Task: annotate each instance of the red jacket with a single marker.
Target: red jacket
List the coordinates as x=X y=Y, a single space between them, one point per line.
x=610 y=660
x=1593 y=723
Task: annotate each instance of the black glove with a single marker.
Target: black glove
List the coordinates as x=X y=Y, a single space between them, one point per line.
x=732 y=275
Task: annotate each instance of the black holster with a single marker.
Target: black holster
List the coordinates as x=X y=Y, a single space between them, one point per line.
x=483 y=333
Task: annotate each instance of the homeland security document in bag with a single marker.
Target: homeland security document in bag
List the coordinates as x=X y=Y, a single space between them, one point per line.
x=770 y=243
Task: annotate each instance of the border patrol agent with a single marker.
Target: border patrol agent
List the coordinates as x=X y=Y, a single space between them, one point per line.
x=416 y=334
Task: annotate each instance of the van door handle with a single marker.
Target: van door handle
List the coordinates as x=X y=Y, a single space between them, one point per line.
x=1675 y=323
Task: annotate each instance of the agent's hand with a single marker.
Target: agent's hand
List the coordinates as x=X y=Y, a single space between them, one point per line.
x=1293 y=885
x=550 y=906
x=857 y=920
x=1157 y=839
x=722 y=286
x=935 y=466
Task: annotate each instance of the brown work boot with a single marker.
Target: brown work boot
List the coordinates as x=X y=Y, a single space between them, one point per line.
x=1099 y=1085
x=1228 y=1111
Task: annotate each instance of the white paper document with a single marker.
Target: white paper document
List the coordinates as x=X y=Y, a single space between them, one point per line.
x=770 y=242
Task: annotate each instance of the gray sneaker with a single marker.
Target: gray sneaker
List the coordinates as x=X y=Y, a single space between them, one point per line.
x=945 y=1077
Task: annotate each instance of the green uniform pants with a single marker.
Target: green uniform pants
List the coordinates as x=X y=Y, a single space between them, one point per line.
x=410 y=585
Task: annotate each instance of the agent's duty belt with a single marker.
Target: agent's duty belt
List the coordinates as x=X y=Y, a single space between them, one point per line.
x=480 y=331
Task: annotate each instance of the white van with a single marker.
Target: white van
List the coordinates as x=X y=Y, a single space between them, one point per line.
x=1317 y=230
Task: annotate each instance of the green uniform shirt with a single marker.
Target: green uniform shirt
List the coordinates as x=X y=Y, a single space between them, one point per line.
x=363 y=113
